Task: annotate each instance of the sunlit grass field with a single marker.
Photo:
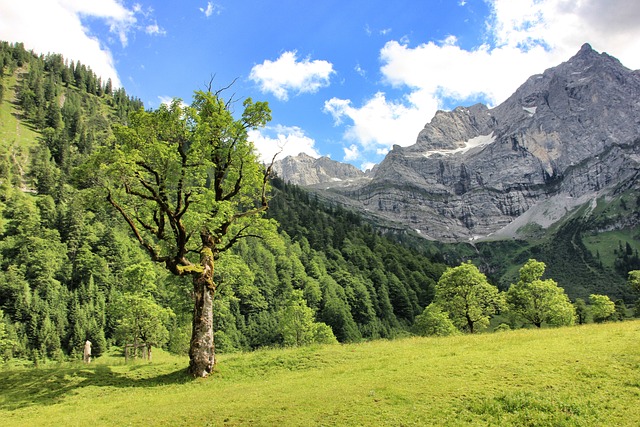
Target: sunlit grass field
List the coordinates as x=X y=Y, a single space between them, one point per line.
x=578 y=376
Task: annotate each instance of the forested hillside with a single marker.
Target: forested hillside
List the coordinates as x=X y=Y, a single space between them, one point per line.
x=70 y=271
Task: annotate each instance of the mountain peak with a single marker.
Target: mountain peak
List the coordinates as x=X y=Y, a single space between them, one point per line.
x=585 y=49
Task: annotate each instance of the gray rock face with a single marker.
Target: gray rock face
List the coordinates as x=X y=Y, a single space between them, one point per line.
x=565 y=137
x=306 y=170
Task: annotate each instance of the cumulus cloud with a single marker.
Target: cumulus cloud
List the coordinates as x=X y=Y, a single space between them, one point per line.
x=57 y=27
x=283 y=141
x=380 y=123
x=288 y=74
x=523 y=38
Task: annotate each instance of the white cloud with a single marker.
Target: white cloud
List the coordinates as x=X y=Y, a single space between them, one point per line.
x=55 y=26
x=210 y=9
x=523 y=38
x=446 y=70
x=351 y=153
x=154 y=29
x=283 y=141
x=380 y=123
x=564 y=26
x=287 y=74
x=367 y=166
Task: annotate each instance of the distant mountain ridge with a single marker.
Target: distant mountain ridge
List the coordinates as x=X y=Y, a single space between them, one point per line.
x=306 y=170
x=565 y=138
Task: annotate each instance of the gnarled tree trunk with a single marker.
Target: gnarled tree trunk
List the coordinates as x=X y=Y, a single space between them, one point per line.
x=202 y=350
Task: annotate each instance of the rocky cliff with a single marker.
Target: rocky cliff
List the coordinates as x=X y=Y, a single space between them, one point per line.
x=564 y=138
x=306 y=170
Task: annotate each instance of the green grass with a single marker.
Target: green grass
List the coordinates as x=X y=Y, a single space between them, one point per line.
x=13 y=131
x=579 y=376
x=17 y=138
x=607 y=242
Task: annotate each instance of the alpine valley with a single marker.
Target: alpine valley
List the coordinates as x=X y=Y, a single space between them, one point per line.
x=551 y=172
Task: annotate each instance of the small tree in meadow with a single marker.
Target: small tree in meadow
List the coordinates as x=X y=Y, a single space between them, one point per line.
x=468 y=297
x=538 y=301
x=602 y=308
x=142 y=320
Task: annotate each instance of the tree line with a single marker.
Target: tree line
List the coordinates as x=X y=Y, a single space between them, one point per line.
x=466 y=302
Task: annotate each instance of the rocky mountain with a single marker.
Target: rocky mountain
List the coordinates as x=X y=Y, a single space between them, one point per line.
x=565 y=138
x=306 y=170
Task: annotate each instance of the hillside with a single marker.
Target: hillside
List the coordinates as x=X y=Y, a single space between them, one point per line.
x=68 y=263
x=579 y=376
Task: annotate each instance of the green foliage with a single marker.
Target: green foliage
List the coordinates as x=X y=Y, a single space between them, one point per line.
x=582 y=311
x=7 y=344
x=602 y=308
x=502 y=327
x=467 y=296
x=179 y=172
x=381 y=284
x=633 y=280
x=434 y=321
x=580 y=257
x=297 y=325
x=536 y=301
x=141 y=320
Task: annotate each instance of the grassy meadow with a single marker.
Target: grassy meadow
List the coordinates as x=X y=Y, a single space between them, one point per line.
x=577 y=376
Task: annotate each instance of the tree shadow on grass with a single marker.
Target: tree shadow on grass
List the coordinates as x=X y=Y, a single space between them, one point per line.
x=47 y=386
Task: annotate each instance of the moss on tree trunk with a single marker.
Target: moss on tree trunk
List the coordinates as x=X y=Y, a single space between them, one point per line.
x=202 y=349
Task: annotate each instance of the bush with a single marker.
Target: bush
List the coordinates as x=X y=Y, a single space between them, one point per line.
x=434 y=321
x=502 y=327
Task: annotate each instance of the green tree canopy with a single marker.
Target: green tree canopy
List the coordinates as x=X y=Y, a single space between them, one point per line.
x=467 y=296
x=538 y=301
x=297 y=324
x=142 y=320
x=634 y=280
x=602 y=308
x=434 y=321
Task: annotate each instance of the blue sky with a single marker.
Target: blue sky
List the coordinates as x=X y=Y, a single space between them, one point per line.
x=346 y=79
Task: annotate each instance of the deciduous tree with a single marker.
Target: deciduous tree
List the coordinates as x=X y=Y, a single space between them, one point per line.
x=142 y=320
x=602 y=308
x=467 y=296
x=538 y=301
x=188 y=183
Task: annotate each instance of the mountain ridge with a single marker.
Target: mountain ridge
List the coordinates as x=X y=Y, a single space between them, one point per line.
x=566 y=137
